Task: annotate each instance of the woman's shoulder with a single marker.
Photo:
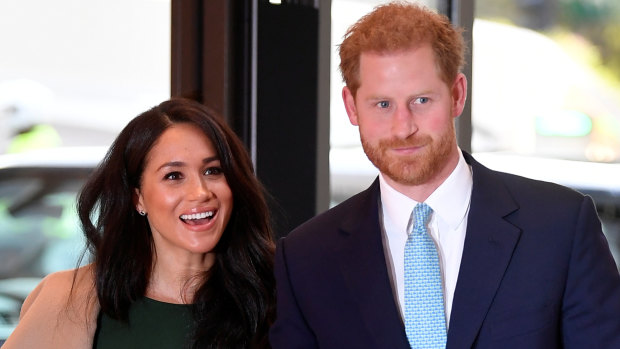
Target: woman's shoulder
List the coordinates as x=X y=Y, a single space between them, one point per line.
x=61 y=310
x=56 y=288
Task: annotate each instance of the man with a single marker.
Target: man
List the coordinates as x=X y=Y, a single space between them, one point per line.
x=512 y=263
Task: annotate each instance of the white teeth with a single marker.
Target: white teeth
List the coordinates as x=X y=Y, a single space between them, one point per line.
x=202 y=215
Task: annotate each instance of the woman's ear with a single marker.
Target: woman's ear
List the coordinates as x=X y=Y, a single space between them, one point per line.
x=138 y=201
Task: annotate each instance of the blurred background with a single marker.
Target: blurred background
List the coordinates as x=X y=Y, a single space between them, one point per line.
x=544 y=92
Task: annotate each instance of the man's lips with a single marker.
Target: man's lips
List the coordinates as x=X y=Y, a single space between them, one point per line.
x=407 y=149
x=398 y=144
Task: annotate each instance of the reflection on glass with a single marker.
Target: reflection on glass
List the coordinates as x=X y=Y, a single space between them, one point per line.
x=546 y=96
x=547 y=78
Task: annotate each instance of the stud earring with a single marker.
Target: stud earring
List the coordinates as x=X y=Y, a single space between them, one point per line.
x=142 y=213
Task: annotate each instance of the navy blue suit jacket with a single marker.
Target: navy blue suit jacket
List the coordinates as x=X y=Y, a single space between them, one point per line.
x=536 y=272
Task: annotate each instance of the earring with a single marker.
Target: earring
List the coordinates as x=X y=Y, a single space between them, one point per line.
x=142 y=213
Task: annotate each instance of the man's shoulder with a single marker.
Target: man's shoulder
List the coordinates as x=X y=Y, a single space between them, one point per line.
x=520 y=187
x=524 y=187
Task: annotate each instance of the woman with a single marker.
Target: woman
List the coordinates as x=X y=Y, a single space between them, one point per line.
x=182 y=248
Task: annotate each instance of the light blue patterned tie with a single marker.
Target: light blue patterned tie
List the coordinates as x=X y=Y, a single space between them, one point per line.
x=425 y=321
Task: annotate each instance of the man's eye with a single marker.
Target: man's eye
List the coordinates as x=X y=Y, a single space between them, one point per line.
x=213 y=171
x=421 y=100
x=383 y=104
x=173 y=176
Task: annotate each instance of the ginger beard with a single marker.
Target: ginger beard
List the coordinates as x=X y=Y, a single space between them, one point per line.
x=413 y=169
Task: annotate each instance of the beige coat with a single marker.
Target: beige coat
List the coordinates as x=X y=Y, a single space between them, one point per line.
x=51 y=319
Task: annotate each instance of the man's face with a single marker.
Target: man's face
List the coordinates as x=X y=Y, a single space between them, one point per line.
x=405 y=114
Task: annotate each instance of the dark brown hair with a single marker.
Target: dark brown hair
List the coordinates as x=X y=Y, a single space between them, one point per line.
x=235 y=304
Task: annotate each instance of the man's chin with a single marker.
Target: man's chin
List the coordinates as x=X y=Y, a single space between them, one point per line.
x=406 y=172
x=409 y=179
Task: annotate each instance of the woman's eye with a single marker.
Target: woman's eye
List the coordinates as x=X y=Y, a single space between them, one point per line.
x=173 y=175
x=383 y=104
x=213 y=171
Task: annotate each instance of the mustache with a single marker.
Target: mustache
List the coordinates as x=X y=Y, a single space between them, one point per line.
x=405 y=143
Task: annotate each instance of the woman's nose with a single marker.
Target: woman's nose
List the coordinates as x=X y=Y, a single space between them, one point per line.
x=199 y=190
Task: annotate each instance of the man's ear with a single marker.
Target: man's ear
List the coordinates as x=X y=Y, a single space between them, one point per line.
x=349 y=105
x=459 y=94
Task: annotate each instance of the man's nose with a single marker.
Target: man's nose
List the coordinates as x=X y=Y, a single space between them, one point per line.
x=403 y=122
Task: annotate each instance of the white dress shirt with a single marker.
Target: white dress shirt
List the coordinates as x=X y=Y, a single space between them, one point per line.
x=448 y=222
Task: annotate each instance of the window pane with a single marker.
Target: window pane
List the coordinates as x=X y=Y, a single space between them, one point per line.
x=546 y=95
x=84 y=68
x=72 y=74
x=547 y=78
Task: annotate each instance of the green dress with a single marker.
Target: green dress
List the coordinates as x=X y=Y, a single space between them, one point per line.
x=152 y=324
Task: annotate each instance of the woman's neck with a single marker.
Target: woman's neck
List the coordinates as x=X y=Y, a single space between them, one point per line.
x=175 y=280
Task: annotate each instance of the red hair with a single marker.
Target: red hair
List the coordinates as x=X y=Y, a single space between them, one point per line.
x=401 y=26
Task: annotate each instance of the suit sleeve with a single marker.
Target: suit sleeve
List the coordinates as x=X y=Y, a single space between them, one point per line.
x=591 y=306
x=290 y=330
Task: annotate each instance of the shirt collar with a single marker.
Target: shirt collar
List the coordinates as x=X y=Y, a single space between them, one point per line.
x=450 y=201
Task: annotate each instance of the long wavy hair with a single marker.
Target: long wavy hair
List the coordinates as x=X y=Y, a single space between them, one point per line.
x=235 y=304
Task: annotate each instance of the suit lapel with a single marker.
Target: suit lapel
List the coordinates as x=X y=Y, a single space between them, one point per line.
x=365 y=272
x=489 y=244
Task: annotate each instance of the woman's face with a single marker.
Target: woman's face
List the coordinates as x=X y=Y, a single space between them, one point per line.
x=185 y=194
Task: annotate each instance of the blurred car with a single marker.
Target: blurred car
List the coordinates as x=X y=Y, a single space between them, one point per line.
x=39 y=229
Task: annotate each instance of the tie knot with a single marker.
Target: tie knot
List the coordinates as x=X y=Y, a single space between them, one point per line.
x=421 y=214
